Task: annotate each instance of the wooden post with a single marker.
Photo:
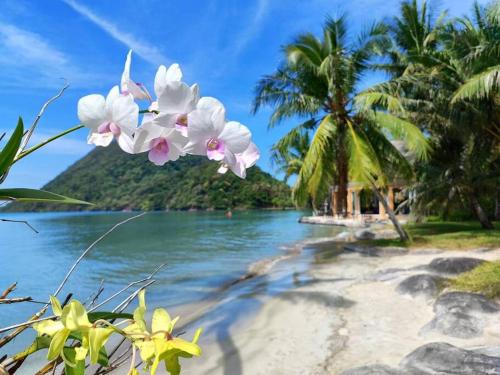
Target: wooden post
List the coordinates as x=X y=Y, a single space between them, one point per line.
x=349 y=202
x=357 y=203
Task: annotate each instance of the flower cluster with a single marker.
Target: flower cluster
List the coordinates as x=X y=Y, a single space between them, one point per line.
x=177 y=123
x=76 y=334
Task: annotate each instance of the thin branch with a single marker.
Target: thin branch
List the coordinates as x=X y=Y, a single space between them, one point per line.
x=129 y=286
x=29 y=133
x=8 y=301
x=92 y=245
x=8 y=291
x=22 y=222
x=35 y=319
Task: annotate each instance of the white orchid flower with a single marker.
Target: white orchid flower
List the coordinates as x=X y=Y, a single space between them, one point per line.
x=174 y=101
x=163 y=144
x=128 y=86
x=209 y=134
x=242 y=161
x=114 y=117
x=164 y=76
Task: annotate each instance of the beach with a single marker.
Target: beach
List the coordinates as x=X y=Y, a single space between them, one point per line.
x=343 y=311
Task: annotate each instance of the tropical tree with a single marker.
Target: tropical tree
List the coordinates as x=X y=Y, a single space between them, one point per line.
x=445 y=80
x=317 y=82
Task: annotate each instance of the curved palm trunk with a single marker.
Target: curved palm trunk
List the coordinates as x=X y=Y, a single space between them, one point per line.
x=478 y=210
x=403 y=235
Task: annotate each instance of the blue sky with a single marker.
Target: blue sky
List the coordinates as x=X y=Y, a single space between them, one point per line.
x=224 y=45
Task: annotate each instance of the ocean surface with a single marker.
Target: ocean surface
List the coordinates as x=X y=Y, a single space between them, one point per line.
x=204 y=253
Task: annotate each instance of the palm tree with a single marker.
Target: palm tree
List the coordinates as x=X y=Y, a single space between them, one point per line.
x=445 y=82
x=318 y=82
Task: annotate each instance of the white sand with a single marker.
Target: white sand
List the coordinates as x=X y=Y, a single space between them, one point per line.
x=339 y=318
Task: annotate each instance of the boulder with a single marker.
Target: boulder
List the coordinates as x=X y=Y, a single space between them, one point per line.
x=460 y=314
x=456 y=324
x=372 y=370
x=464 y=302
x=422 y=284
x=454 y=265
x=364 y=234
x=441 y=359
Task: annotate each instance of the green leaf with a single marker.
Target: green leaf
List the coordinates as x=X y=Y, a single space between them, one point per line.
x=70 y=356
x=9 y=152
x=41 y=342
x=103 y=357
x=107 y=315
x=172 y=365
x=34 y=195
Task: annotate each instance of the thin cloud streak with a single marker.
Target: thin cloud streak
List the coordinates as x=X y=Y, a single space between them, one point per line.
x=29 y=60
x=251 y=31
x=145 y=50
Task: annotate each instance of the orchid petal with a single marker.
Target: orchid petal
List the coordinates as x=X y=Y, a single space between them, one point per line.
x=129 y=86
x=74 y=316
x=161 y=320
x=216 y=110
x=98 y=139
x=125 y=114
x=97 y=339
x=193 y=148
x=176 y=97
x=92 y=110
x=236 y=137
x=57 y=343
x=113 y=94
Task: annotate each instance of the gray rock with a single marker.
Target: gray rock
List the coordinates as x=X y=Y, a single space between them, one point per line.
x=464 y=302
x=372 y=370
x=364 y=234
x=445 y=359
x=456 y=324
x=424 y=284
x=454 y=265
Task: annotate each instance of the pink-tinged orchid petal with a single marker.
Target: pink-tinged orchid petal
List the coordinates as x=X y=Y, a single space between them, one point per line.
x=215 y=149
x=250 y=156
x=236 y=137
x=92 y=110
x=159 y=150
x=130 y=87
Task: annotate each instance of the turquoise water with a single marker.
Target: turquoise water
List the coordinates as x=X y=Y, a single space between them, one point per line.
x=202 y=251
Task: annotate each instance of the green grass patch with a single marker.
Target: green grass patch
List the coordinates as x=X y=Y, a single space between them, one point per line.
x=447 y=235
x=484 y=279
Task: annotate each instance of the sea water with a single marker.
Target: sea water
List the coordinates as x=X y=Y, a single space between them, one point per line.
x=203 y=253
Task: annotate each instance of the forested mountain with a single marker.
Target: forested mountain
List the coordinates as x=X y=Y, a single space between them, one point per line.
x=114 y=180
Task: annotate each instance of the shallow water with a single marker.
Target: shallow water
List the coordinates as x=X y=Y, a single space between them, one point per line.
x=203 y=251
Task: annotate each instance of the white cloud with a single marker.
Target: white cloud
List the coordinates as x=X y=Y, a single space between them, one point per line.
x=28 y=60
x=147 y=51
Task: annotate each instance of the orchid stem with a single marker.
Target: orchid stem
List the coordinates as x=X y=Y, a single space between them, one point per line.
x=51 y=139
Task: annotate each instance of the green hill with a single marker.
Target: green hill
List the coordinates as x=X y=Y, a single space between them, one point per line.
x=113 y=180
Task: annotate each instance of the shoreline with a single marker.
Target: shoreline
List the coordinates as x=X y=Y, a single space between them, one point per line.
x=341 y=311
